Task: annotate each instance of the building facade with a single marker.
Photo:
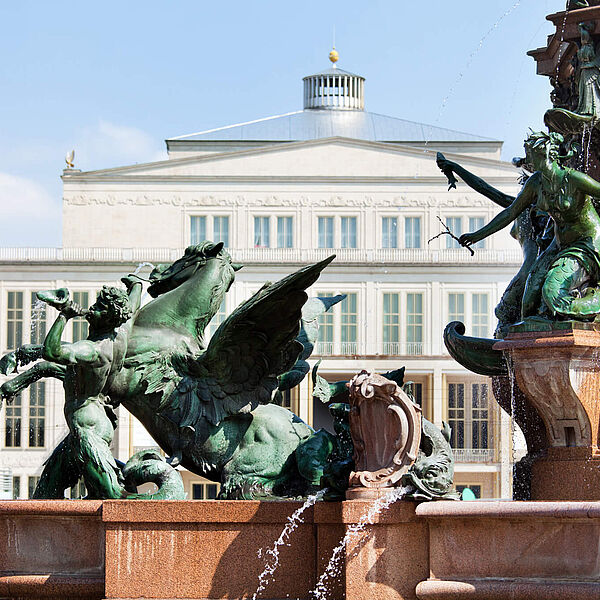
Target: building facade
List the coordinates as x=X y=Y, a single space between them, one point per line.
x=282 y=192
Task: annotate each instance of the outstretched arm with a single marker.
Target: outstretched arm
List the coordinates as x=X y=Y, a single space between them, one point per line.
x=474 y=182
x=67 y=354
x=508 y=215
x=586 y=184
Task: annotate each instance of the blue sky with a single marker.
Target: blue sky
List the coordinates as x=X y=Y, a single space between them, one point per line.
x=114 y=79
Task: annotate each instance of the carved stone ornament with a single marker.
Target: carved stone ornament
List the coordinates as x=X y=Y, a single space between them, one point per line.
x=385 y=426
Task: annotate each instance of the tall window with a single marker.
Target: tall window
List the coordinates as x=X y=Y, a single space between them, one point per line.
x=12 y=423
x=218 y=318
x=414 y=323
x=221 y=230
x=325 y=227
x=14 y=320
x=32 y=482
x=197 y=229
x=480 y=315
x=456 y=414
x=349 y=232
x=389 y=232
x=454 y=224
x=261 y=232
x=479 y=415
x=349 y=309
x=80 y=325
x=38 y=320
x=391 y=323
x=37 y=414
x=16 y=482
x=325 y=345
x=476 y=223
x=456 y=307
x=469 y=418
x=285 y=232
x=412 y=232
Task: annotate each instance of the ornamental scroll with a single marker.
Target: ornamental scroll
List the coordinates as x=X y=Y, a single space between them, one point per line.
x=385 y=426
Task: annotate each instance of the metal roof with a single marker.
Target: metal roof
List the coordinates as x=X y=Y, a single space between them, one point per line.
x=311 y=124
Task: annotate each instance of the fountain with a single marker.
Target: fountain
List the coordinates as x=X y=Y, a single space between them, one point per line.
x=399 y=533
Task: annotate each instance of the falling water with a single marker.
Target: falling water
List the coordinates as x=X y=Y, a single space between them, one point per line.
x=272 y=554
x=470 y=60
x=513 y=407
x=562 y=37
x=354 y=532
x=37 y=315
x=141 y=266
x=586 y=142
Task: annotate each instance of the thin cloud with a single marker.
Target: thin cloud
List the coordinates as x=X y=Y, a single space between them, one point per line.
x=107 y=145
x=20 y=197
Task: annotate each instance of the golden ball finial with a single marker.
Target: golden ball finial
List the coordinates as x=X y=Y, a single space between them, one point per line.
x=334 y=56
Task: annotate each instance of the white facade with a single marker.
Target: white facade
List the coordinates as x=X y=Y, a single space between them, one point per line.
x=373 y=204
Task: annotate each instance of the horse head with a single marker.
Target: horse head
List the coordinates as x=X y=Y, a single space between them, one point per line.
x=165 y=278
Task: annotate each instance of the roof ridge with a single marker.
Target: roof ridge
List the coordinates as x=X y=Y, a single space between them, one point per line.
x=293 y=112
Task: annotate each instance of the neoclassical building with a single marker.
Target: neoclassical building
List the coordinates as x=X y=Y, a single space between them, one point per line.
x=282 y=192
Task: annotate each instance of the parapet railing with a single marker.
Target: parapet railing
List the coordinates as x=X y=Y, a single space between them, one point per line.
x=473 y=455
x=270 y=255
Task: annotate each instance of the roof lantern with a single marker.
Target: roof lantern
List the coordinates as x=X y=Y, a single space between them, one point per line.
x=334 y=89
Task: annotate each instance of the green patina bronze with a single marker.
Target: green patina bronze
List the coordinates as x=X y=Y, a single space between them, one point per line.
x=209 y=408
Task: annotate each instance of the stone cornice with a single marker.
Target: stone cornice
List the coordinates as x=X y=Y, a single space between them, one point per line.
x=192 y=199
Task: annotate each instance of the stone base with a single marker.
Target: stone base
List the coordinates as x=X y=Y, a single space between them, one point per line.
x=566 y=474
x=120 y=550
x=363 y=493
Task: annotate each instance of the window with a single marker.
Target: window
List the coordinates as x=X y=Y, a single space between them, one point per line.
x=476 y=489
x=391 y=323
x=221 y=230
x=456 y=414
x=456 y=307
x=205 y=491
x=285 y=232
x=218 y=318
x=197 y=229
x=412 y=232
x=414 y=323
x=32 y=482
x=476 y=223
x=325 y=227
x=80 y=325
x=16 y=487
x=349 y=324
x=389 y=232
x=325 y=344
x=38 y=320
x=14 y=320
x=37 y=414
x=12 y=423
x=479 y=414
x=480 y=317
x=261 y=232
x=290 y=399
x=348 y=232
x=469 y=418
x=454 y=224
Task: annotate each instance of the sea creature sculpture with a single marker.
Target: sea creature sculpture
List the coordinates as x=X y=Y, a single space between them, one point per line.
x=209 y=408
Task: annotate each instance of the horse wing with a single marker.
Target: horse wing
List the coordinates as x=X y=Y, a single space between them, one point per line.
x=247 y=353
